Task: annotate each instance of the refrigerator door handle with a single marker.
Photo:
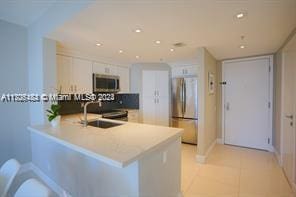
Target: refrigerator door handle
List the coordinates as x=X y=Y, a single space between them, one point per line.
x=184 y=97
x=182 y=100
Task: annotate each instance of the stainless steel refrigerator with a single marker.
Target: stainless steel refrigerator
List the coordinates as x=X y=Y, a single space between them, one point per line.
x=184 y=109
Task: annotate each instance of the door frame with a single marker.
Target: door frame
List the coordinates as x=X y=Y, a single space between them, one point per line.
x=270 y=116
x=282 y=116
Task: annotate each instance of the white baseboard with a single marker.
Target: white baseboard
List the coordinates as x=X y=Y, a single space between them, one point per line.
x=50 y=183
x=294 y=187
x=220 y=141
x=203 y=158
x=278 y=157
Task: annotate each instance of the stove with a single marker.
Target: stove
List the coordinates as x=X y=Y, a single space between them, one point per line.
x=116 y=115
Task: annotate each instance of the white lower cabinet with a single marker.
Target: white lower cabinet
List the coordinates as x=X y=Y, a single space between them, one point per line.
x=133 y=116
x=149 y=110
x=162 y=111
x=155 y=97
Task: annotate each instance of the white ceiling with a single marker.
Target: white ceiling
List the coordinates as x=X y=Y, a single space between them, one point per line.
x=23 y=12
x=208 y=23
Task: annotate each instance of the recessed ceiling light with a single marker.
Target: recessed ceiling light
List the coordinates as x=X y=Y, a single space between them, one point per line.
x=99 y=44
x=138 y=30
x=242 y=46
x=241 y=15
x=172 y=49
x=120 y=51
x=137 y=56
x=157 y=41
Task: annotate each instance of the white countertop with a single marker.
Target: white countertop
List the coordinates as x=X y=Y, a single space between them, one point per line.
x=118 y=146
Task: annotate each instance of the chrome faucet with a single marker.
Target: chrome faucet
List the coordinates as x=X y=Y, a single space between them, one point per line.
x=85 y=110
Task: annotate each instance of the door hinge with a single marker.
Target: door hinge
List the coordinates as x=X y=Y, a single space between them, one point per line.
x=269 y=69
x=268 y=140
x=269 y=105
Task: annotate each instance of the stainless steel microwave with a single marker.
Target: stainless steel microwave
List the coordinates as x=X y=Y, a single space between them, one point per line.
x=105 y=83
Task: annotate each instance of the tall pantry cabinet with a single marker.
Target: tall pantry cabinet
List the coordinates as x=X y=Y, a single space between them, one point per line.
x=155 y=97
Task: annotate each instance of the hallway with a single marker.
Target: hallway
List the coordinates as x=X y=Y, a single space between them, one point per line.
x=233 y=172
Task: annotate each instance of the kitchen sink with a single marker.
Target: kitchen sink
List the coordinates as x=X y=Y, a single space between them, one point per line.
x=103 y=124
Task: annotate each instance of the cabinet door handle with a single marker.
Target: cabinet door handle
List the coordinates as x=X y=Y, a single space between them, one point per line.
x=107 y=70
x=227 y=106
x=289 y=116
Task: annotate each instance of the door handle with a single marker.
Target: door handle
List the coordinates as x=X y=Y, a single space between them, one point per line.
x=289 y=116
x=227 y=106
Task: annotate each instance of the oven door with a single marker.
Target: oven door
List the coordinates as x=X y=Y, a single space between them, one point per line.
x=105 y=83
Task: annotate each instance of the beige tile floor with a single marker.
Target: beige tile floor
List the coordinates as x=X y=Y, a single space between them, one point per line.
x=233 y=172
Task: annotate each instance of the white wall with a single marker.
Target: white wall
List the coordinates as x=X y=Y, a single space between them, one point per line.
x=207 y=104
x=52 y=19
x=26 y=66
x=50 y=68
x=14 y=137
x=210 y=102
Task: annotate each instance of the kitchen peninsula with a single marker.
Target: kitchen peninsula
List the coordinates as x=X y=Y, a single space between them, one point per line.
x=127 y=160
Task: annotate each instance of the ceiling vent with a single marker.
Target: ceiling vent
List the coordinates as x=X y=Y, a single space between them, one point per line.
x=179 y=44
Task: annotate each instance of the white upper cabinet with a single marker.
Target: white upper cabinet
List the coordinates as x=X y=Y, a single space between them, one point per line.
x=74 y=75
x=104 y=69
x=98 y=68
x=82 y=76
x=123 y=73
x=64 y=73
x=184 y=70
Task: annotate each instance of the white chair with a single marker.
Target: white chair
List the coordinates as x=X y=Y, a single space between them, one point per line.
x=32 y=188
x=8 y=172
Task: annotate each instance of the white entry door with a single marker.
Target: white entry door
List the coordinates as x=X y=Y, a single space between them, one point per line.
x=289 y=111
x=247 y=102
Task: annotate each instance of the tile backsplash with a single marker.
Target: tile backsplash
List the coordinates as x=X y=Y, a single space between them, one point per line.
x=122 y=101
